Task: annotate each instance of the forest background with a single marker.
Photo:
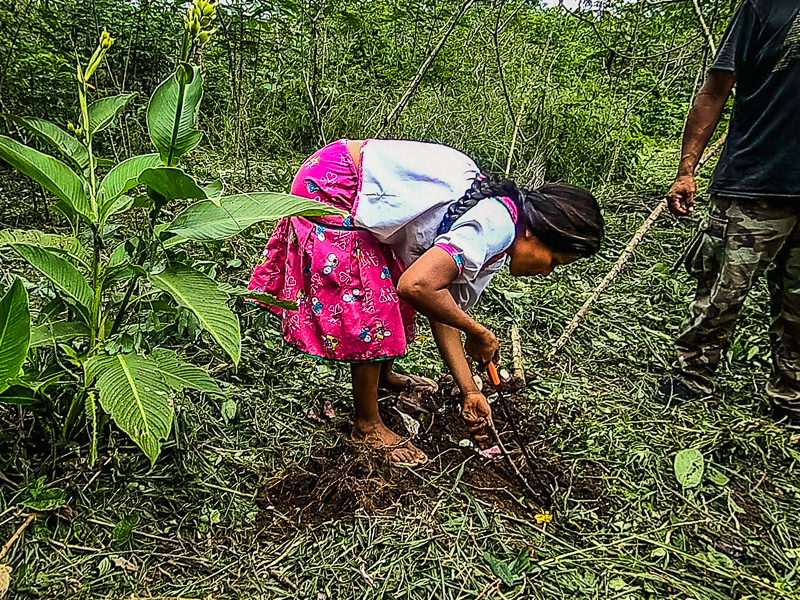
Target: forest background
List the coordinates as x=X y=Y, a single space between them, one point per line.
x=594 y=95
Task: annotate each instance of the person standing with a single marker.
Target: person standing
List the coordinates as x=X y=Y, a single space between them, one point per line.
x=752 y=225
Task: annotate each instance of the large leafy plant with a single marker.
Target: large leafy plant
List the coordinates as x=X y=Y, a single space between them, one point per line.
x=77 y=370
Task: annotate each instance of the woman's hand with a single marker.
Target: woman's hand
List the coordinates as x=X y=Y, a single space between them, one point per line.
x=478 y=414
x=482 y=347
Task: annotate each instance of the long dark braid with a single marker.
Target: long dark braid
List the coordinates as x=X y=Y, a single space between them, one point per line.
x=483 y=187
x=566 y=218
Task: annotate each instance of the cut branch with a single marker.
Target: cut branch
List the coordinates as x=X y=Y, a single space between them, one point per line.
x=404 y=100
x=623 y=259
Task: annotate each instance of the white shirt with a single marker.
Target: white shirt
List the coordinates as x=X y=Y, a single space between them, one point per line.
x=406 y=189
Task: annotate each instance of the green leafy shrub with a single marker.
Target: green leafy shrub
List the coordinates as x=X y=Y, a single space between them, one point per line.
x=78 y=363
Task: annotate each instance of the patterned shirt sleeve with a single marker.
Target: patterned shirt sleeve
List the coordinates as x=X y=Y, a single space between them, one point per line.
x=475 y=241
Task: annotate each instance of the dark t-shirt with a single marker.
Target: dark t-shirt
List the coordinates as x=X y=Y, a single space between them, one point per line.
x=762 y=155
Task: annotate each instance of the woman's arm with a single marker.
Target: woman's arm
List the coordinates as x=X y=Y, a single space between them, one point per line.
x=424 y=285
x=476 y=410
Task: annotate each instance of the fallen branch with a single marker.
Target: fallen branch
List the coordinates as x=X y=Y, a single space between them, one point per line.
x=623 y=259
x=507 y=456
x=14 y=537
x=516 y=354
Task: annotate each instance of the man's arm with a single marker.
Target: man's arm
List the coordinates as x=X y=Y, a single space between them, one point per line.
x=700 y=126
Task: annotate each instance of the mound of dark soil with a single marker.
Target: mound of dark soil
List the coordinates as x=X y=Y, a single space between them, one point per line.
x=339 y=481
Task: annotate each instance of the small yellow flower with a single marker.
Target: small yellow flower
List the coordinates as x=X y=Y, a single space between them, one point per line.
x=544 y=517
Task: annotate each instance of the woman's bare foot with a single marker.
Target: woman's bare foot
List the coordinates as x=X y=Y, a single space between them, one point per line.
x=392 y=380
x=378 y=435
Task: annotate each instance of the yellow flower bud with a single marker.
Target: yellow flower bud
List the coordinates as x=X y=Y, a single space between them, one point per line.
x=203 y=37
x=71 y=127
x=209 y=9
x=194 y=28
x=205 y=22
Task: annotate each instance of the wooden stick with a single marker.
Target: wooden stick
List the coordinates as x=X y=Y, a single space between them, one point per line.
x=389 y=120
x=14 y=537
x=516 y=353
x=626 y=254
x=704 y=26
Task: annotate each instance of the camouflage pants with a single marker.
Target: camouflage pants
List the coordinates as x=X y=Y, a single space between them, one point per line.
x=741 y=240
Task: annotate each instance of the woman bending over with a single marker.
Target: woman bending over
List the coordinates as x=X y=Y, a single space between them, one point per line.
x=425 y=232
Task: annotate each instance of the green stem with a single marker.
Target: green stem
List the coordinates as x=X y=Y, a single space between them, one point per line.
x=83 y=89
x=97 y=231
x=187 y=44
x=97 y=282
x=134 y=278
x=75 y=410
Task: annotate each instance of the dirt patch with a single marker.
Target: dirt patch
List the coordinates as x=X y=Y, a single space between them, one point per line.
x=339 y=481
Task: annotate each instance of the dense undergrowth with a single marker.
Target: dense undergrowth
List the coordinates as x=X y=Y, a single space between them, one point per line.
x=602 y=102
x=189 y=527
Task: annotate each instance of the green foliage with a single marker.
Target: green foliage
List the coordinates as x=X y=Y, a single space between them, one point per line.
x=136 y=396
x=171 y=115
x=231 y=215
x=52 y=174
x=689 y=465
x=199 y=293
x=65 y=143
x=123 y=530
x=63 y=274
x=103 y=112
x=15 y=333
x=80 y=340
x=41 y=497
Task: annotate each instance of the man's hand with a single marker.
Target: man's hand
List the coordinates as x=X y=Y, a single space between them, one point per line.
x=680 y=197
x=483 y=347
x=477 y=413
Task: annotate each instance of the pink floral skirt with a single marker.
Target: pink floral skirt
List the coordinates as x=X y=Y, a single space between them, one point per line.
x=342 y=279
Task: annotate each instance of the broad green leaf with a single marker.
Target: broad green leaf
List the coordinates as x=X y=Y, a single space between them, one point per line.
x=123 y=530
x=34 y=237
x=15 y=332
x=500 y=569
x=205 y=220
x=171 y=116
x=689 y=465
x=18 y=395
x=42 y=498
x=171 y=183
x=63 y=141
x=103 y=112
x=214 y=190
x=135 y=395
x=181 y=375
x=228 y=409
x=718 y=477
x=50 y=334
x=199 y=293
x=49 y=172
x=59 y=271
x=124 y=253
x=257 y=296
x=123 y=178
